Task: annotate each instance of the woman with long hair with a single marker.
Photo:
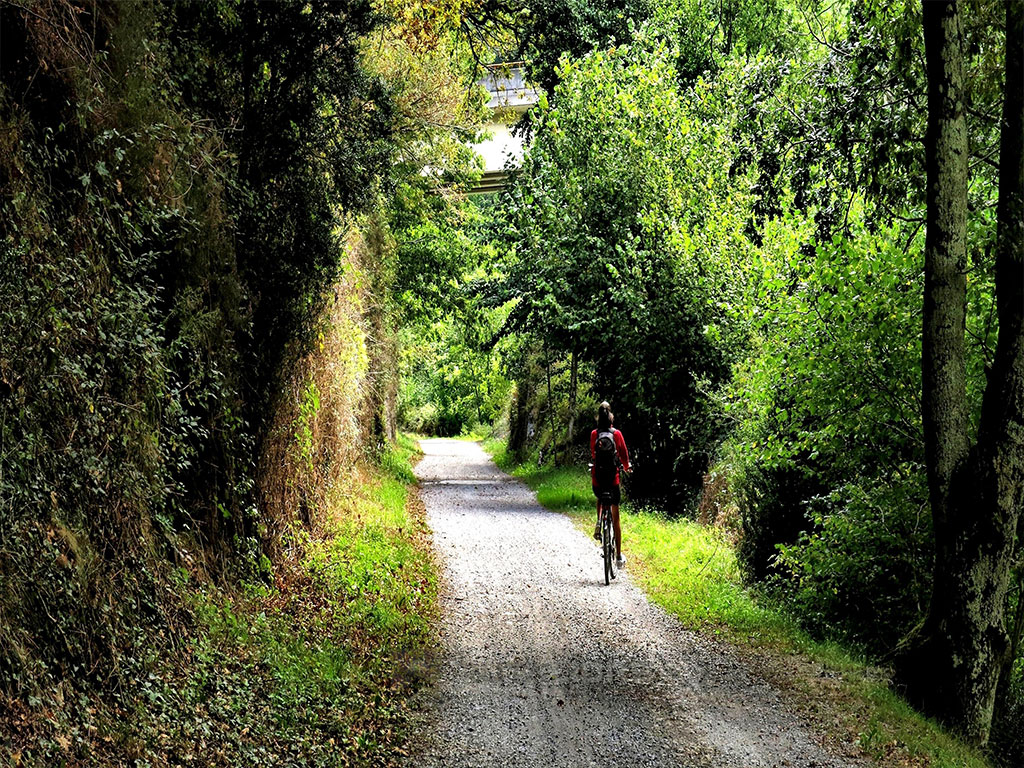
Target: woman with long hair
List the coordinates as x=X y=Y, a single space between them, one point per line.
x=608 y=452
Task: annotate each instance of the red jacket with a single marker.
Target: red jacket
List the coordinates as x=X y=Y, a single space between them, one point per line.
x=620 y=449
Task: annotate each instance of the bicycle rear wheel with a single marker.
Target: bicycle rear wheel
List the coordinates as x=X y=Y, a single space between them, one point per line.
x=608 y=546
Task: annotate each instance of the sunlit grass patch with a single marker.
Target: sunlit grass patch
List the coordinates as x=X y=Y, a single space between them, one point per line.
x=558 y=488
x=691 y=570
x=371 y=565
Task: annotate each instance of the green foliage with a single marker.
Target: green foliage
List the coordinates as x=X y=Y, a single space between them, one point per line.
x=436 y=250
x=862 y=573
x=450 y=381
x=552 y=29
x=450 y=374
x=615 y=262
x=175 y=182
x=434 y=240
x=832 y=393
x=311 y=137
x=708 y=34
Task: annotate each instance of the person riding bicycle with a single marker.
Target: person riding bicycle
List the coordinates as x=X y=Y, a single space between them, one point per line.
x=604 y=469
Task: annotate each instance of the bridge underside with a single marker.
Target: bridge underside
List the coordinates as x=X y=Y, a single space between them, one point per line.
x=490 y=182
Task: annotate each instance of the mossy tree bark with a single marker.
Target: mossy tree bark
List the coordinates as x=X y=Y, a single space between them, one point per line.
x=975 y=490
x=574 y=375
x=521 y=414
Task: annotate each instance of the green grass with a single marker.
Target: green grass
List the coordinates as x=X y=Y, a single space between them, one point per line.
x=691 y=571
x=693 y=574
x=564 y=489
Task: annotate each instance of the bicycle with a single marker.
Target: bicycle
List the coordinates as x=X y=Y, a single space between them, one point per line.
x=608 y=553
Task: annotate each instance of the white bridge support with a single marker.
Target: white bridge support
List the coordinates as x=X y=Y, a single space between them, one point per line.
x=511 y=96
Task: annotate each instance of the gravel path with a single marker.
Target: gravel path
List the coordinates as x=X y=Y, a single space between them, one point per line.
x=544 y=665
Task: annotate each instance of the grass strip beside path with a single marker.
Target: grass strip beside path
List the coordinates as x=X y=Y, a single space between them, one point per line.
x=691 y=571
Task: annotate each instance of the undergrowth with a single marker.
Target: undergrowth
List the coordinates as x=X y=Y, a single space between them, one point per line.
x=313 y=670
x=691 y=571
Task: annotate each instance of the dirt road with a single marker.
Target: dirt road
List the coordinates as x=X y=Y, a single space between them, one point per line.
x=544 y=665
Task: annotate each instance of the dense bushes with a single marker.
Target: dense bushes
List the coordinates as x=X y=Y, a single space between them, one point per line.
x=120 y=307
x=860 y=569
x=829 y=400
x=772 y=502
x=182 y=367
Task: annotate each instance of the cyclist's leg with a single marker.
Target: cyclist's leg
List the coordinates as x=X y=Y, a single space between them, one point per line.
x=618 y=530
x=615 y=522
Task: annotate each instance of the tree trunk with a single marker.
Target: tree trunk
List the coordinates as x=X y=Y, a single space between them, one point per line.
x=1001 y=433
x=975 y=491
x=551 y=410
x=519 y=420
x=573 y=385
x=520 y=417
x=945 y=289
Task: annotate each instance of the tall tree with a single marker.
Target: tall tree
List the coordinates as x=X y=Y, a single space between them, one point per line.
x=613 y=268
x=976 y=489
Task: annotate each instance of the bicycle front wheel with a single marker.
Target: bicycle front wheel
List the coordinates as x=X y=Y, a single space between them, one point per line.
x=608 y=545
